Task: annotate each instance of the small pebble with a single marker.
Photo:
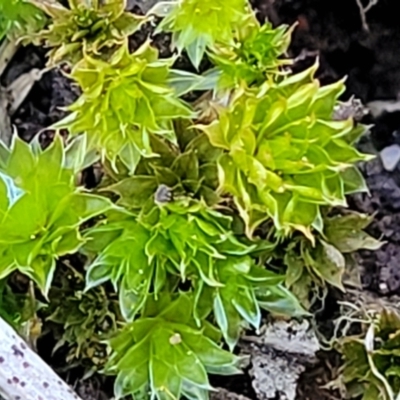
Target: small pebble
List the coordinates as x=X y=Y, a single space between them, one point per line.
x=383 y=287
x=390 y=157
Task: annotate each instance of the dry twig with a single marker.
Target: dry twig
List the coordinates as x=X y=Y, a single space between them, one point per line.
x=363 y=12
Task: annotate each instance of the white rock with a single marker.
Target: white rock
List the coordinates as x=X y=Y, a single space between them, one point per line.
x=390 y=157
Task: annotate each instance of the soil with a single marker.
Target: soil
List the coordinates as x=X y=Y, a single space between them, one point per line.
x=333 y=31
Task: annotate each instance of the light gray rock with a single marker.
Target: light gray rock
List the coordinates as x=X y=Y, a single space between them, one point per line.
x=278 y=356
x=390 y=157
x=274 y=375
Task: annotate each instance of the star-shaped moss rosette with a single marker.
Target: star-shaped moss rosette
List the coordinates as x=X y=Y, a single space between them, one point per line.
x=165 y=355
x=256 y=53
x=186 y=169
x=124 y=101
x=284 y=156
x=185 y=242
x=18 y=18
x=41 y=208
x=243 y=289
x=197 y=25
x=85 y=27
x=166 y=243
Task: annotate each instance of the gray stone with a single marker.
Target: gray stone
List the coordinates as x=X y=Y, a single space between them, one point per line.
x=390 y=157
x=275 y=376
x=278 y=356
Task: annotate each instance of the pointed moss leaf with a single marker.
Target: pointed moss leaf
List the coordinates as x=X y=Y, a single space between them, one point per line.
x=220 y=314
x=295 y=268
x=132 y=300
x=123 y=261
x=41 y=271
x=246 y=305
x=78 y=156
x=183 y=82
x=353 y=181
x=346 y=233
x=97 y=274
x=280 y=301
x=10 y=192
x=135 y=191
x=331 y=263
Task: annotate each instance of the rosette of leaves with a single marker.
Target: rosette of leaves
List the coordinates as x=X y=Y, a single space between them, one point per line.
x=184 y=242
x=254 y=56
x=186 y=169
x=19 y=18
x=198 y=25
x=86 y=27
x=284 y=157
x=243 y=290
x=165 y=355
x=312 y=267
x=371 y=363
x=80 y=321
x=167 y=244
x=124 y=101
x=41 y=208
